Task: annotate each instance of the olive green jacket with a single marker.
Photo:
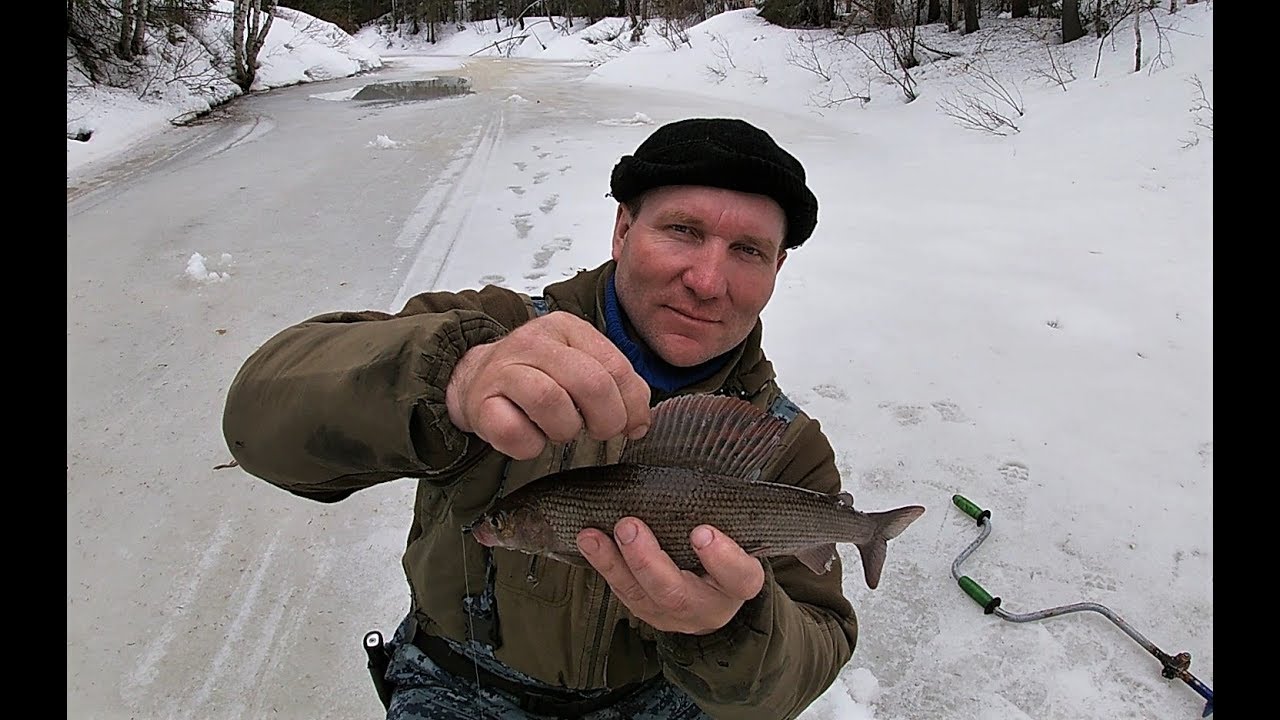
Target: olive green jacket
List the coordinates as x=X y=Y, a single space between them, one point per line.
x=347 y=400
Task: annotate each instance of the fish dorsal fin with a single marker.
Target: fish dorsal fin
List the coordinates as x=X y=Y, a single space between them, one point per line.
x=713 y=433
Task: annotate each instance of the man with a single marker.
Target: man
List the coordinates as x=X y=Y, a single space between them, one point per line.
x=477 y=393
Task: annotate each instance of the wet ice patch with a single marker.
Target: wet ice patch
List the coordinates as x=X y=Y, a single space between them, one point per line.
x=516 y=98
x=382 y=141
x=637 y=119
x=336 y=95
x=198 y=268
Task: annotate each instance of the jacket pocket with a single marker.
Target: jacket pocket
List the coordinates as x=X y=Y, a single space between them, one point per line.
x=532 y=577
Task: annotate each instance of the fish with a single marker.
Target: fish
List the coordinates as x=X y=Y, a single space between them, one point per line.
x=700 y=463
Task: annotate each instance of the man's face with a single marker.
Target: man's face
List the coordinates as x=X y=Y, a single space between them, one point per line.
x=696 y=265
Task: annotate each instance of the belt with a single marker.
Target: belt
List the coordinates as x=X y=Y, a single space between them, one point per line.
x=540 y=701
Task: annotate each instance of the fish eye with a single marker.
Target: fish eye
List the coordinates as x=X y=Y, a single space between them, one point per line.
x=498 y=520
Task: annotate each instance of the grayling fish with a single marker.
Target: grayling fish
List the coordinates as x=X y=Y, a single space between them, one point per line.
x=698 y=464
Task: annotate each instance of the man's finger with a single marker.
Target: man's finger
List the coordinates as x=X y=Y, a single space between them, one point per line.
x=593 y=389
x=579 y=334
x=544 y=401
x=652 y=567
x=508 y=429
x=604 y=556
x=738 y=575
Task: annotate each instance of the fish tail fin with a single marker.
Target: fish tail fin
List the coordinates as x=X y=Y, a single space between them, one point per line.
x=889 y=525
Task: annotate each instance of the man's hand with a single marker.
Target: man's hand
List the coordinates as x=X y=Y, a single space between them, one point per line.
x=669 y=599
x=546 y=381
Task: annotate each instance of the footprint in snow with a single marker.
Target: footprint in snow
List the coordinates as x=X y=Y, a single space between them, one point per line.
x=522 y=225
x=830 y=392
x=905 y=414
x=949 y=411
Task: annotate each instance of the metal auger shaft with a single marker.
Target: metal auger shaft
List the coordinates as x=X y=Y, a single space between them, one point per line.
x=1174 y=666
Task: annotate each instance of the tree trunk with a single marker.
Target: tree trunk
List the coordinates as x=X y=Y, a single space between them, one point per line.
x=124 y=48
x=139 y=46
x=258 y=35
x=1071 y=27
x=237 y=41
x=1019 y=9
x=247 y=38
x=970 y=16
x=935 y=11
x=1173 y=6
x=882 y=14
x=1137 y=46
x=1097 y=19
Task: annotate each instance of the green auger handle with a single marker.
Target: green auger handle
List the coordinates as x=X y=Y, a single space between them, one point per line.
x=969 y=508
x=968 y=584
x=979 y=595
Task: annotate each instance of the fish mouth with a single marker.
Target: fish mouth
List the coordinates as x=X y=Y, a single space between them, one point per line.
x=483 y=534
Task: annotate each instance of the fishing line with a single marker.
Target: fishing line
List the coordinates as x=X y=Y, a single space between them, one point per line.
x=471 y=626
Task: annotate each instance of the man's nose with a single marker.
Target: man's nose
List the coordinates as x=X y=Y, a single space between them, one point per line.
x=705 y=276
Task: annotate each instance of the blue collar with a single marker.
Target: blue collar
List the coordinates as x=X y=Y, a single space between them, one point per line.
x=660 y=374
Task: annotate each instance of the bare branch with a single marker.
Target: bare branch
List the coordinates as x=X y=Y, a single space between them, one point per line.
x=806 y=58
x=1059 y=71
x=989 y=106
x=827 y=99
x=1202 y=108
x=496 y=43
x=721 y=49
x=977 y=113
x=886 y=53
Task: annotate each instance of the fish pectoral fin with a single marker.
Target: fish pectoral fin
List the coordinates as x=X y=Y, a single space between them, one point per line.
x=575 y=560
x=818 y=558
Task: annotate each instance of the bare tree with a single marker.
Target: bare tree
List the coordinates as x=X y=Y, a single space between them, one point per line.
x=248 y=33
x=638 y=12
x=1019 y=8
x=970 y=16
x=891 y=50
x=139 y=28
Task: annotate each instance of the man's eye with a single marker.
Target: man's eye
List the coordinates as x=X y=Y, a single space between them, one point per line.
x=682 y=229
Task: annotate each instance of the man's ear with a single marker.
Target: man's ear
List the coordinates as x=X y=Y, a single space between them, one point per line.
x=621 y=225
x=782 y=256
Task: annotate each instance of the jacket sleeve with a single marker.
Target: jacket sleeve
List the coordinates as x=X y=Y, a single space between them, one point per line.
x=786 y=646
x=347 y=400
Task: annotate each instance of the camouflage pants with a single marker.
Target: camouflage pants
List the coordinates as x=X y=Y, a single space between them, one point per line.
x=425 y=691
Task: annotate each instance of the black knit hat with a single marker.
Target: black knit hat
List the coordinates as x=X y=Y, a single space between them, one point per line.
x=724 y=153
